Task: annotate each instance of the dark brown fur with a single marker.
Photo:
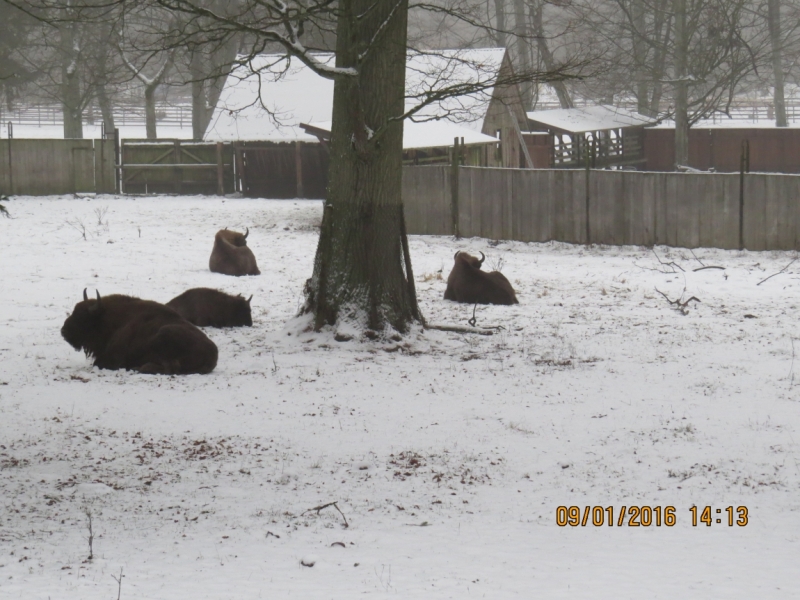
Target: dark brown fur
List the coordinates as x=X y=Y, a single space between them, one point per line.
x=122 y=332
x=468 y=284
x=205 y=307
x=231 y=256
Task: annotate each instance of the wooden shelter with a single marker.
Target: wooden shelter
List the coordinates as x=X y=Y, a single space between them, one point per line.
x=603 y=136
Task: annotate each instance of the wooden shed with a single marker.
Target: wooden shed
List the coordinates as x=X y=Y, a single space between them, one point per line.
x=606 y=136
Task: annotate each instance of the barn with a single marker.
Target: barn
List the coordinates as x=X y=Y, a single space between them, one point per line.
x=276 y=113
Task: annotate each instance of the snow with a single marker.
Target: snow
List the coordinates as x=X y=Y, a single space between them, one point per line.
x=432 y=134
x=589 y=118
x=448 y=454
x=56 y=131
x=268 y=99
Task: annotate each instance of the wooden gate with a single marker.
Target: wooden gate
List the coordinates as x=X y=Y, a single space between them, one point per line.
x=177 y=167
x=282 y=170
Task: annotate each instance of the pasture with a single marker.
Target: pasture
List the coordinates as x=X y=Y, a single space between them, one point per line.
x=448 y=454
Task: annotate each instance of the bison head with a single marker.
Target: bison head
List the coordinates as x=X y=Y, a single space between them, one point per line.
x=234 y=237
x=84 y=324
x=243 y=313
x=472 y=261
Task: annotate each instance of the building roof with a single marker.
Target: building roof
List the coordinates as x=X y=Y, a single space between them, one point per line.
x=589 y=118
x=430 y=134
x=270 y=97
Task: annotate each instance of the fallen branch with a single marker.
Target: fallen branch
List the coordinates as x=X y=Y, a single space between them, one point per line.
x=323 y=506
x=681 y=307
x=457 y=329
x=778 y=273
x=708 y=267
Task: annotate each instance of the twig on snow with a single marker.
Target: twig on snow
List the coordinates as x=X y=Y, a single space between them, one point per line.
x=119 y=582
x=681 y=307
x=322 y=506
x=779 y=272
x=671 y=263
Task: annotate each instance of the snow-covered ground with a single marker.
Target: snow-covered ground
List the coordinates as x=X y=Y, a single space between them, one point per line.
x=448 y=454
x=56 y=131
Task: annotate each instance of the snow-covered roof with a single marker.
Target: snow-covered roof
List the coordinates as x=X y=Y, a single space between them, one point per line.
x=589 y=118
x=266 y=100
x=431 y=134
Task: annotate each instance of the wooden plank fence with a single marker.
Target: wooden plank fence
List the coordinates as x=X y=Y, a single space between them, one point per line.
x=688 y=210
x=40 y=167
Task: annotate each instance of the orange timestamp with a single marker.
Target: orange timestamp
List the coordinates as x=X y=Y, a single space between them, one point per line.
x=646 y=516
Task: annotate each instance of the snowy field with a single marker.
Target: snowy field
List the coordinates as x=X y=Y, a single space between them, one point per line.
x=447 y=454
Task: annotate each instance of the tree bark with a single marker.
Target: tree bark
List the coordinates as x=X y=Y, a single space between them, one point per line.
x=774 y=19
x=547 y=58
x=500 y=17
x=638 y=33
x=362 y=271
x=523 y=51
x=70 y=83
x=681 y=85
x=199 y=108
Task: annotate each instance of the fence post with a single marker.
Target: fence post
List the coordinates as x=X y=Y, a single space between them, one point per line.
x=178 y=174
x=588 y=172
x=10 y=170
x=220 y=171
x=117 y=162
x=455 y=158
x=744 y=167
x=298 y=161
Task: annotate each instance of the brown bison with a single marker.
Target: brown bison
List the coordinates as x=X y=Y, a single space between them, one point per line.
x=205 y=307
x=231 y=256
x=468 y=284
x=122 y=332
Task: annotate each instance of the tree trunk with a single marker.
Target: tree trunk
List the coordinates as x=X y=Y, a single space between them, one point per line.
x=662 y=34
x=70 y=83
x=681 y=86
x=774 y=18
x=638 y=32
x=105 y=108
x=547 y=58
x=150 y=111
x=522 y=51
x=362 y=271
x=500 y=17
x=199 y=109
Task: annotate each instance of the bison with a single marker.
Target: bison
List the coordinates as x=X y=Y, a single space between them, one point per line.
x=231 y=256
x=205 y=307
x=468 y=284
x=123 y=332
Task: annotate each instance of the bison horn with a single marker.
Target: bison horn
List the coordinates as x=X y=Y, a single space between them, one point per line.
x=247 y=232
x=483 y=258
x=250 y=298
x=455 y=256
x=85 y=297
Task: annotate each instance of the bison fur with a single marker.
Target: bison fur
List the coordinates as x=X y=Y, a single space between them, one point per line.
x=205 y=307
x=468 y=284
x=123 y=332
x=231 y=256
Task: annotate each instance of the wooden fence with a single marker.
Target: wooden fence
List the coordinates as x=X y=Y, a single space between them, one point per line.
x=625 y=207
x=41 y=167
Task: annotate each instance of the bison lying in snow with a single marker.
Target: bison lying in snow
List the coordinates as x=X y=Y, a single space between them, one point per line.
x=231 y=256
x=468 y=284
x=122 y=332
x=205 y=307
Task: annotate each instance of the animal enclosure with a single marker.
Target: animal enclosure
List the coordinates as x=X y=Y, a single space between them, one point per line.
x=624 y=207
